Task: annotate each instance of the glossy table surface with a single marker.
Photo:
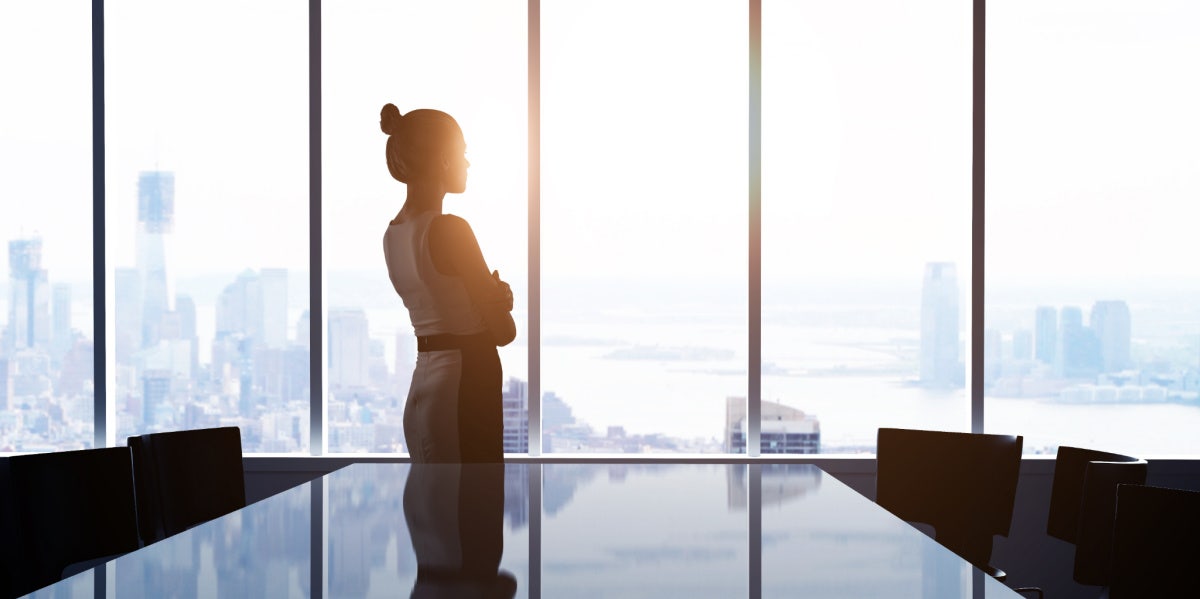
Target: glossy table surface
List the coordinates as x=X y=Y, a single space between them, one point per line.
x=589 y=530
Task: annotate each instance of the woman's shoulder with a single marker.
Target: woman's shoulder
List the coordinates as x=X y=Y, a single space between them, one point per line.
x=450 y=226
x=449 y=221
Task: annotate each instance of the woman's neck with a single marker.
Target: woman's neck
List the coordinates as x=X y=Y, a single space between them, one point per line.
x=422 y=197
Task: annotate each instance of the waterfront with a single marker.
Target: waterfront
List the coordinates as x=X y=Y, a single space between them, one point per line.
x=667 y=375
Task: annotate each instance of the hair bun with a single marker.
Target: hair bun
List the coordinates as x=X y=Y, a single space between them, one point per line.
x=389 y=119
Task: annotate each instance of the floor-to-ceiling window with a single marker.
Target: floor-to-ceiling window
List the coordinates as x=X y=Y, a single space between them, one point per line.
x=866 y=204
x=1093 y=331
x=46 y=337
x=644 y=224
x=207 y=218
x=466 y=58
x=645 y=339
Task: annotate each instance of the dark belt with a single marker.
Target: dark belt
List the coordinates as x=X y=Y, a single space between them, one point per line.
x=444 y=342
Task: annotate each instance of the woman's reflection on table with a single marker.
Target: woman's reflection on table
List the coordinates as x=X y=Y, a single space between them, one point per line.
x=455 y=516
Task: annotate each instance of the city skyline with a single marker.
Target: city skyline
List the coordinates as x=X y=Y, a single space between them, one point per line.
x=1095 y=347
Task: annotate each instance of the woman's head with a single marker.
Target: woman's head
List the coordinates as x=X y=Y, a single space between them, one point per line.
x=424 y=146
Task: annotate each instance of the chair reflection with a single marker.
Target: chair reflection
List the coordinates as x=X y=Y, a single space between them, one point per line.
x=455 y=517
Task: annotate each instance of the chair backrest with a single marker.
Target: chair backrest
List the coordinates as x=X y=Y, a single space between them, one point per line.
x=962 y=484
x=185 y=478
x=66 y=508
x=1083 y=505
x=1156 y=542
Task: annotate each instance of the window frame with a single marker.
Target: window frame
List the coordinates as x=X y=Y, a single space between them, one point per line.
x=103 y=404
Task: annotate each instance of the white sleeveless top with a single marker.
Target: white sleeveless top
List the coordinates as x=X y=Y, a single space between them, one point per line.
x=437 y=304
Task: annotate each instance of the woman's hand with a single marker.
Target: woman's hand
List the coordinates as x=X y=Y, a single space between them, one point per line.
x=505 y=289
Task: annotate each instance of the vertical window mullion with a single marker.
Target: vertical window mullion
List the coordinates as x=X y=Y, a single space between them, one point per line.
x=534 y=390
x=316 y=286
x=754 y=368
x=100 y=368
x=978 y=74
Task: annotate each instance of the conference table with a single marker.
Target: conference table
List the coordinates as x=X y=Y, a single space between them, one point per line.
x=549 y=530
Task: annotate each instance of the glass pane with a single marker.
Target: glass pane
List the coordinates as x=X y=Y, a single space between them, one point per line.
x=46 y=342
x=207 y=201
x=866 y=180
x=1093 y=328
x=644 y=224
x=467 y=58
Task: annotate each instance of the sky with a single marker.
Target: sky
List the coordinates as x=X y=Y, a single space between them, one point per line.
x=1093 y=169
x=46 y=132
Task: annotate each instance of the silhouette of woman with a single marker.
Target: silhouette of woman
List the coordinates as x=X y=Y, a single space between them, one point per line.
x=460 y=313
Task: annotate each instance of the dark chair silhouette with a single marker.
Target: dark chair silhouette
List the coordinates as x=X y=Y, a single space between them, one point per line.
x=185 y=478
x=962 y=484
x=67 y=511
x=1155 y=543
x=1083 y=505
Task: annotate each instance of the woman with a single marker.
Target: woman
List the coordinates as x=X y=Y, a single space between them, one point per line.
x=460 y=313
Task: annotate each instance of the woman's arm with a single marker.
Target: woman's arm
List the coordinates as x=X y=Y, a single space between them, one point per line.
x=455 y=251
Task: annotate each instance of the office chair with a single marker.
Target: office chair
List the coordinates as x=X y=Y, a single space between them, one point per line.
x=185 y=478
x=962 y=484
x=68 y=511
x=1155 y=542
x=1083 y=505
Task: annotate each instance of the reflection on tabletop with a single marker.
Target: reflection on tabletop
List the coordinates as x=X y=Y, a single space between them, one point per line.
x=455 y=516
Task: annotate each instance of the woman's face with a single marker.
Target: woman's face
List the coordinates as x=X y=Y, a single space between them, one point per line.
x=456 y=165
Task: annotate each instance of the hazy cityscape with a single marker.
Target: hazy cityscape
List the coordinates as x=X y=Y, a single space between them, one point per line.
x=242 y=358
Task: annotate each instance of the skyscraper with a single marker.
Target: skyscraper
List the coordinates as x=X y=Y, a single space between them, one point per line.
x=61 y=314
x=185 y=314
x=939 y=364
x=1070 y=327
x=349 y=348
x=240 y=308
x=295 y=373
x=1046 y=334
x=127 y=284
x=1111 y=322
x=1022 y=344
x=275 y=306
x=4 y=384
x=156 y=218
x=78 y=368
x=1078 y=351
x=29 y=304
x=515 y=401
x=156 y=389
x=303 y=333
